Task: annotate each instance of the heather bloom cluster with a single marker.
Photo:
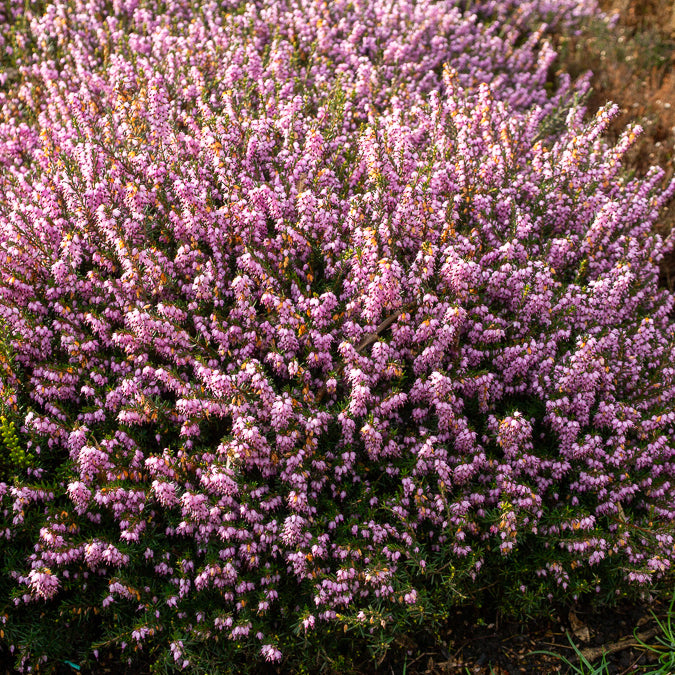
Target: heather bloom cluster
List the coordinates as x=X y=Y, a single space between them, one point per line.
x=307 y=303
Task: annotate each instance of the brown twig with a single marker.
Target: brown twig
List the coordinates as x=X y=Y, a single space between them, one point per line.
x=631 y=667
x=593 y=653
x=370 y=339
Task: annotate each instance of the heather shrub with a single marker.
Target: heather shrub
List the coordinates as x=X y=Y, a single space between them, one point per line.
x=318 y=320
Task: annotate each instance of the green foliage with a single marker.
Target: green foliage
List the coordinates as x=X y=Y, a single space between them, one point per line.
x=665 y=647
x=15 y=456
x=585 y=667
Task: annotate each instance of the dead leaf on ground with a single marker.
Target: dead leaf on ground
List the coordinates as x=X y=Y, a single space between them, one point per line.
x=579 y=628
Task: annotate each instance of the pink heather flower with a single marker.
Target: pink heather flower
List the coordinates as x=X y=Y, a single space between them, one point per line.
x=270 y=653
x=80 y=494
x=165 y=493
x=43 y=582
x=176 y=649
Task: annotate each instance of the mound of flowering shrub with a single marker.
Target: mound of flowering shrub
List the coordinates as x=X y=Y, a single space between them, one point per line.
x=318 y=318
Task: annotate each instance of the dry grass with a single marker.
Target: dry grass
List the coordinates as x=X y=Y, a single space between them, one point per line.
x=634 y=66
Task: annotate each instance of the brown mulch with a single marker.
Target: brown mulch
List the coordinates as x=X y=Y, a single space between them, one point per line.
x=489 y=647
